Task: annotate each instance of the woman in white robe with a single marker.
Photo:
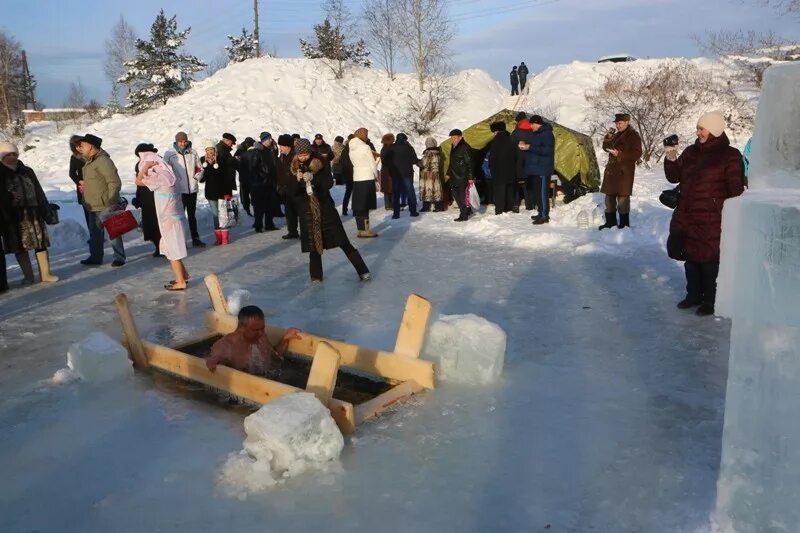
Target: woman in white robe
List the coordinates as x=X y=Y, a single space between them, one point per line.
x=156 y=175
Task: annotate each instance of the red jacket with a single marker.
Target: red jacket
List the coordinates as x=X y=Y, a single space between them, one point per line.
x=709 y=173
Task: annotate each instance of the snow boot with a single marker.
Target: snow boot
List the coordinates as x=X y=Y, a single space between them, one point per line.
x=611 y=221
x=25 y=265
x=44 y=267
x=426 y=206
x=624 y=220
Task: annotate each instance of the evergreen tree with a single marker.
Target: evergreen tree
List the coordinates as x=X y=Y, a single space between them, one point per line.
x=159 y=71
x=242 y=47
x=332 y=46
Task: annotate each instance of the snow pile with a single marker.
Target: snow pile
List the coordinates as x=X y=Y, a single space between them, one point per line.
x=237 y=299
x=466 y=349
x=758 y=286
x=97 y=359
x=286 y=437
x=68 y=234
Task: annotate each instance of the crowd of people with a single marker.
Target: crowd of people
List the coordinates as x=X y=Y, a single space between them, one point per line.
x=291 y=177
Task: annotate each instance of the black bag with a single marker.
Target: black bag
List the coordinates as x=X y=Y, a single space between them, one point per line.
x=670 y=197
x=51 y=214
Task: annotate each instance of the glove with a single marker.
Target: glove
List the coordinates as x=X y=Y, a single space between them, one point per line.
x=671 y=153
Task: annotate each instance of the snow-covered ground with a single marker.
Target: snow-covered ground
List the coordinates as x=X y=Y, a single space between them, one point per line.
x=608 y=416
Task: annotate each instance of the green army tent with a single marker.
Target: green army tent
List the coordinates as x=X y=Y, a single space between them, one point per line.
x=574 y=157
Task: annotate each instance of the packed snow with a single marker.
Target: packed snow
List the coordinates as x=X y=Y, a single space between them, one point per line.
x=466 y=349
x=285 y=438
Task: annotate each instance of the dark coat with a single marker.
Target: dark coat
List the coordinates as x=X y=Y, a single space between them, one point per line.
x=618 y=176
x=333 y=234
x=503 y=158
x=219 y=181
x=145 y=200
x=287 y=182
x=460 y=169
x=709 y=173
x=387 y=155
x=523 y=71
x=324 y=150
x=514 y=77
x=345 y=165
x=257 y=167
x=24 y=206
x=76 y=173
x=403 y=159
x=539 y=159
x=227 y=163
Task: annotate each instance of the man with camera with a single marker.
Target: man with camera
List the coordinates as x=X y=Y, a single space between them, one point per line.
x=624 y=147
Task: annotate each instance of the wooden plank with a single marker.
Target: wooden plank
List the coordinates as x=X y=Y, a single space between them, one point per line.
x=381 y=403
x=215 y=293
x=252 y=388
x=132 y=339
x=322 y=376
x=413 y=326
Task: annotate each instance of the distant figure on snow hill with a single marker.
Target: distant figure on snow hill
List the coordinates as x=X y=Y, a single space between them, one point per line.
x=514 y=81
x=523 y=75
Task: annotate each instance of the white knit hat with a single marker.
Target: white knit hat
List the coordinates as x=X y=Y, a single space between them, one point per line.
x=7 y=148
x=208 y=143
x=713 y=121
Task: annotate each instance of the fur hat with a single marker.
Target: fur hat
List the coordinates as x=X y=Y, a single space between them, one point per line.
x=402 y=137
x=145 y=147
x=8 y=148
x=520 y=116
x=230 y=137
x=430 y=142
x=536 y=119
x=302 y=146
x=338 y=139
x=94 y=140
x=285 y=140
x=388 y=138
x=622 y=117
x=362 y=134
x=497 y=126
x=208 y=143
x=456 y=132
x=714 y=122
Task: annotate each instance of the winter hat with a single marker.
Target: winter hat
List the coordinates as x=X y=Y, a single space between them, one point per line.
x=208 y=143
x=456 y=132
x=8 y=148
x=536 y=119
x=388 y=138
x=318 y=136
x=302 y=146
x=430 y=142
x=265 y=135
x=714 y=122
x=181 y=136
x=514 y=67
x=362 y=134
x=524 y=124
x=338 y=139
x=285 y=140
x=92 y=139
x=497 y=126
x=145 y=147
x=295 y=136
x=402 y=137
x=623 y=117
x=520 y=116
x=230 y=137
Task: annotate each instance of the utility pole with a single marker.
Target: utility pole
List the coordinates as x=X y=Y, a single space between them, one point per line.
x=258 y=37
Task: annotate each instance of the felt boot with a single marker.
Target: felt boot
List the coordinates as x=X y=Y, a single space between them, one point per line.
x=44 y=267
x=611 y=221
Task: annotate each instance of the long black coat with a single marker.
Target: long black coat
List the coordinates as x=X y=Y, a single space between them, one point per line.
x=219 y=182
x=145 y=200
x=257 y=167
x=503 y=159
x=333 y=234
x=76 y=173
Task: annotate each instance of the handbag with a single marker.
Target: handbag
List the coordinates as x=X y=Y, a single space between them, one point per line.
x=670 y=197
x=119 y=223
x=51 y=214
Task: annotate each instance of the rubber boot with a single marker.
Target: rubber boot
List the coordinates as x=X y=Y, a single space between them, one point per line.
x=24 y=261
x=44 y=267
x=225 y=236
x=624 y=220
x=611 y=221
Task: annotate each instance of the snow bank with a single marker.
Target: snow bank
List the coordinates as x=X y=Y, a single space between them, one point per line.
x=466 y=349
x=286 y=437
x=97 y=359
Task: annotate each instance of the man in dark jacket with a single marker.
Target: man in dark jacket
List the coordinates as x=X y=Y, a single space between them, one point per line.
x=503 y=168
x=402 y=168
x=258 y=170
x=514 y=81
x=287 y=184
x=459 y=172
x=516 y=137
x=322 y=148
x=523 y=75
x=225 y=158
x=244 y=188
x=539 y=147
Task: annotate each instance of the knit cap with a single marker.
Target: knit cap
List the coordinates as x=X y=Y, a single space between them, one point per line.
x=713 y=121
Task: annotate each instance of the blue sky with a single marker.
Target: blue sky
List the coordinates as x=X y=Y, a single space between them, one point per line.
x=64 y=40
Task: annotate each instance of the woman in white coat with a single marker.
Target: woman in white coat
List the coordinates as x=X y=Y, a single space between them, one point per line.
x=156 y=175
x=365 y=172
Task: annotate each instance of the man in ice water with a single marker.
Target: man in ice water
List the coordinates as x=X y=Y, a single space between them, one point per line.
x=248 y=349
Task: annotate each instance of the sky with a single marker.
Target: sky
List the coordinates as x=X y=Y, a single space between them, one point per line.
x=67 y=45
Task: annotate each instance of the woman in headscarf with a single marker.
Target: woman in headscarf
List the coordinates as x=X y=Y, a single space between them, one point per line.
x=24 y=211
x=145 y=201
x=365 y=171
x=155 y=174
x=320 y=226
x=430 y=176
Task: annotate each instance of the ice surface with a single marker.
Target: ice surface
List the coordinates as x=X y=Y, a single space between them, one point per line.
x=466 y=348
x=99 y=359
x=237 y=299
x=285 y=438
x=64 y=376
x=775 y=158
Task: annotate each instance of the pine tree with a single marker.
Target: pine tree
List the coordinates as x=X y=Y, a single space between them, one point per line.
x=159 y=71
x=332 y=46
x=242 y=47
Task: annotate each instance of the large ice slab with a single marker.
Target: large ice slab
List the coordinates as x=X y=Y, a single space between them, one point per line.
x=99 y=359
x=465 y=348
x=285 y=438
x=775 y=157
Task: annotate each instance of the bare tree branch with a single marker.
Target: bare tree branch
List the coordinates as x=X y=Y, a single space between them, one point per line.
x=382 y=29
x=427 y=35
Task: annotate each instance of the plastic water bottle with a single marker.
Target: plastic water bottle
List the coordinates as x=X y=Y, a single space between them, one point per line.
x=583 y=219
x=598 y=215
